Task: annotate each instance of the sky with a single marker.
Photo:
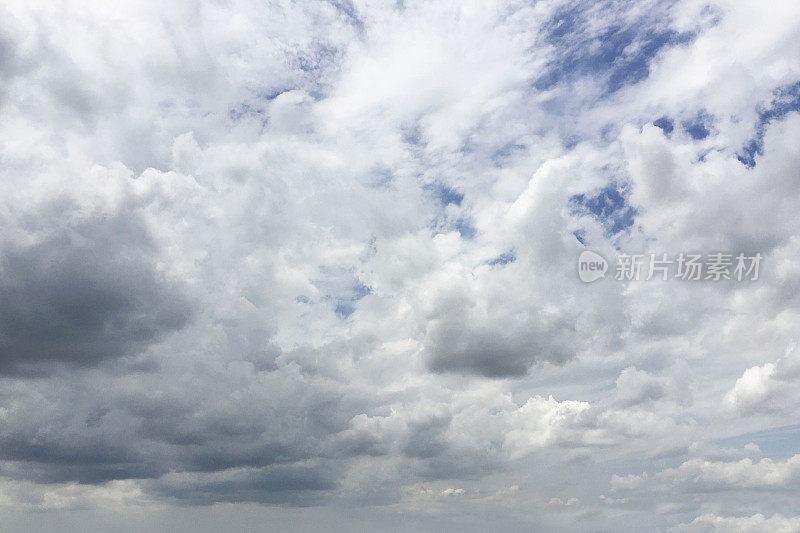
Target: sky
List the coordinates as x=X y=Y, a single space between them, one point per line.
x=313 y=265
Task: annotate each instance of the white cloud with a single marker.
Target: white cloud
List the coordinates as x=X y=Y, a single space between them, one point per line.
x=743 y=473
x=746 y=524
x=629 y=482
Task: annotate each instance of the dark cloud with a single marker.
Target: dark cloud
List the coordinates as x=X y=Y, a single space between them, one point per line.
x=84 y=294
x=425 y=438
x=494 y=352
x=62 y=456
x=292 y=485
x=484 y=355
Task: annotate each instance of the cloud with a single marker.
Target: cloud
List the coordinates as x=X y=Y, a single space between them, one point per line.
x=85 y=293
x=743 y=473
x=321 y=256
x=766 y=388
x=752 y=387
x=628 y=482
x=295 y=485
x=750 y=524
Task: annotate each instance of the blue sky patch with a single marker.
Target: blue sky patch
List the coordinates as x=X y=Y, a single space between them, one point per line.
x=619 y=54
x=505 y=152
x=449 y=219
x=502 y=259
x=465 y=228
x=785 y=100
x=341 y=286
x=776 y=442
x=665 y=123
x=699 y=127
x=244 y=110
x=608 y=205
x=345 y=304
x=445 y=195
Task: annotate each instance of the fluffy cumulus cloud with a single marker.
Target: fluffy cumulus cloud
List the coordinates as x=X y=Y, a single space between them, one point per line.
x=315 y=262
x=752 y=524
